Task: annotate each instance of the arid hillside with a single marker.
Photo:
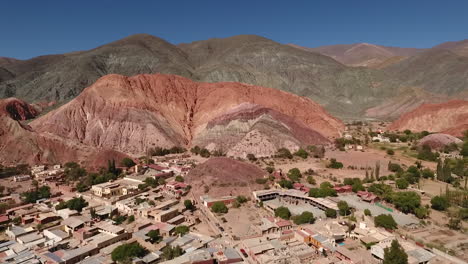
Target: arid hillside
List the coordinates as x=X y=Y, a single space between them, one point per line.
x=449 y=117
x=132 y=114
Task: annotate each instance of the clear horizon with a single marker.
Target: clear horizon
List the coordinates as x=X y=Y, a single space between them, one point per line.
x=33 y=28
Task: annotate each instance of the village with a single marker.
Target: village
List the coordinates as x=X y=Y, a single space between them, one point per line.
x=144 y=211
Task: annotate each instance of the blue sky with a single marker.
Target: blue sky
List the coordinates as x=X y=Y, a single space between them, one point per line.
x=39 y=27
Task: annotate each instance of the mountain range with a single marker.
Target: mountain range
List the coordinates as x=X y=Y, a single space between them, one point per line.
x=413 y=76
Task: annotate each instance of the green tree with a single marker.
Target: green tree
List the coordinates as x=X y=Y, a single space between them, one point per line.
x=285 y=184
x=125 y=252
x=330 y=213
x=464 y=149
x=427 y=174
x=390 y=152
x=181 y=230
x=170 y=252
x=439 y=203
x=283 y=212
x=395 y=254
x=367 y=212
x=284 y=153
x=77 y=204
x=189 y=205
x=154 y=236
x=402 y=183
x=219 y=208
x=406 y=201
x=385 y=221
x=343 y=208
x=294 y=174
x=304 y=218
x=421 y=212
x=127 y=162
x=301 y=153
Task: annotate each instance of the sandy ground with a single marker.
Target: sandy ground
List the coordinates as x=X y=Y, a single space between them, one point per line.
x=241 y=221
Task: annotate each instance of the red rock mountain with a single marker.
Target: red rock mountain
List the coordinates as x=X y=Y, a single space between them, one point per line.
x=132 y=114
x=19 y=143
x=450 y=117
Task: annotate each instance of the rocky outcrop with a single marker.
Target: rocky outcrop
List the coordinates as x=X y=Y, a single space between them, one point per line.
x=450 y=117
x=19 y=143
x=439 y=140
x=132 y=114
x=17 y=109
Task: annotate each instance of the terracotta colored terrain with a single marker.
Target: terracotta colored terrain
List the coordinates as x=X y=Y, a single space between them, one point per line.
x=225 y=176
x=450 y=117
x=19 y=143
x=132 y=114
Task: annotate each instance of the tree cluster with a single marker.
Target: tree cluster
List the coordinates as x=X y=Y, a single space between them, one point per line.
x=73 y=204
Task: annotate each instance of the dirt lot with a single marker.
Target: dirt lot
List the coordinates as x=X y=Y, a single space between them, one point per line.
x=241 y=221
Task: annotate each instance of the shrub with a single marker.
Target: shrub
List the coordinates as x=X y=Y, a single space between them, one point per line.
x=390 y=152
x=367 y=212
x=179 y=178
x=270 y=169
x=251 y=157
x=261 y=180
x=335 y=164
x=439 y=203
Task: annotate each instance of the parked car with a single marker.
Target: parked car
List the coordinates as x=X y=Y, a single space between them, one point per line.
x=244 y=253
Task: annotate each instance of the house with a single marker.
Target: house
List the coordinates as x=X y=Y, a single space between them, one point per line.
x=273 y=225
x=4 y=219
x=208 y=201
x=368 y=196
x=343 y=189
x=349 y=256
x=56 y=235
x=107 y=189
x=21 y=178
x=72 y=224
x=66 y=213
x=44 y=218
